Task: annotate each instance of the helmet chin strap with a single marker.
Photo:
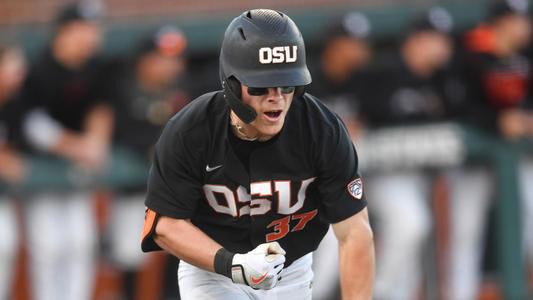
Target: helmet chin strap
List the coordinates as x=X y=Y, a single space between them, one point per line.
x=245 y=112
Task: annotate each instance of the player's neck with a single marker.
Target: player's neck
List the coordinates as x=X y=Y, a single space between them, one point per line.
x=245 y=131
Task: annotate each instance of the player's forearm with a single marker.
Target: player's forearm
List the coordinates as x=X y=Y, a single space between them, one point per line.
x=356 y=255
x=357 y=266
x=99 y=123
x=67 y=145
x=11 y=165
x=185 y=241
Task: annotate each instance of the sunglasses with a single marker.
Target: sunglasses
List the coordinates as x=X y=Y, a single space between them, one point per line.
x=264 y=91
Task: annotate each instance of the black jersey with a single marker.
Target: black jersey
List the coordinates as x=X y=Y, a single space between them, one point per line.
x=140 y=114
x=66 y=95
x=5 y=124
x=401 y=97
x=295 y=187
x=341 y=97
x=495 y=83
x=11 y=114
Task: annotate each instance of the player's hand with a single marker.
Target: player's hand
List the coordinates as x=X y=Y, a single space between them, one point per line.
x=90 y=154
x=95 y=153
x=259 y=268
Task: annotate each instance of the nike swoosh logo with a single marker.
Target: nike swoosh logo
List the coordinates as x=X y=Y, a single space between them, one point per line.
x=208 y=169
x=258 y=280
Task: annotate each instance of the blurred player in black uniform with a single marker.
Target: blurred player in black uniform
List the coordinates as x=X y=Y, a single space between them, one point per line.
x=146 y=91
x=339 y=73
x=338 y=80
x=497 y=77
x=406 y=91
x=12 y=74
x=246 y=181
x=70 y=120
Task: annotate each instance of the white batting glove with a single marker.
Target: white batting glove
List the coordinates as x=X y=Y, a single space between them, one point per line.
x=259 y=268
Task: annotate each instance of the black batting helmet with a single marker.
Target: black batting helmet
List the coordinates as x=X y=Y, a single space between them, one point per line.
x=261 y=48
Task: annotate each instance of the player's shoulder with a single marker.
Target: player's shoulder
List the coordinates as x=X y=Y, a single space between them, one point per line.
x=316 y=108
x=317 y=116
x=193 y=123
x=320 y=129
x=196 y=115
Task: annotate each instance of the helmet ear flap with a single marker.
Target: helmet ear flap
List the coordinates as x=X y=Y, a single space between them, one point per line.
x=234 y=85
x=299 y=90
x=232 y=94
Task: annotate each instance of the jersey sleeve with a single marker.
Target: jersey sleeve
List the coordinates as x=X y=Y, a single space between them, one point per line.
x=339 y=183
x=174 y=183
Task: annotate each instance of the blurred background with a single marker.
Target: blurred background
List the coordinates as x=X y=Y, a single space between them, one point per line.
x=437 y=96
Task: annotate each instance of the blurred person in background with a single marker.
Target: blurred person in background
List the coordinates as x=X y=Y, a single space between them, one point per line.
x=67 y=119
x=340 y=66
x=146 y=91
x=12 y=74
x=339 y=73
x=497 y=77
x=405 y=92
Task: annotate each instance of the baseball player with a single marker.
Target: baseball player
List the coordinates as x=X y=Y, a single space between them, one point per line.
x=498 y=80
x=339 y=75
x=146 y=90
x=69 y=119
x=13 y=70
x=407 y=91
x=246 y=181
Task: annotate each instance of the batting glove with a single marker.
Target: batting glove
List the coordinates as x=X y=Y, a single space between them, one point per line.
x=259 y=268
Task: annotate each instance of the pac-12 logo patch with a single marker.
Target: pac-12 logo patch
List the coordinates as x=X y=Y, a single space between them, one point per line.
x=355 y=188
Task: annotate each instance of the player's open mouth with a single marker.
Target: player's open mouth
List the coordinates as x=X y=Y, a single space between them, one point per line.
x=273 y=115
